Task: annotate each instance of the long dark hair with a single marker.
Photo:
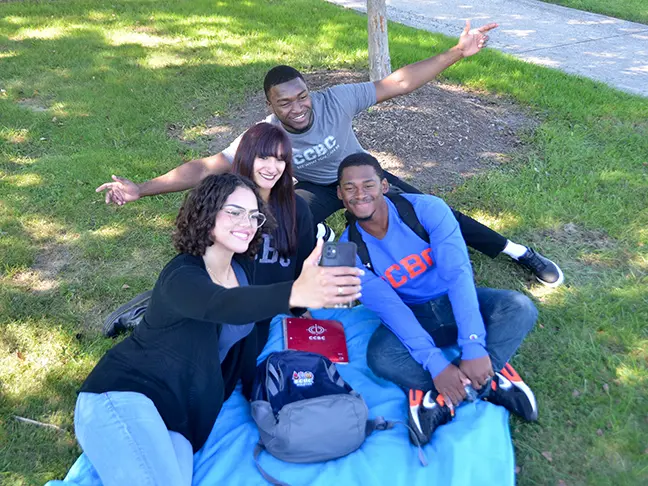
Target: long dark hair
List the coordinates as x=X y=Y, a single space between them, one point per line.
x=197 y=216
x=266 y=140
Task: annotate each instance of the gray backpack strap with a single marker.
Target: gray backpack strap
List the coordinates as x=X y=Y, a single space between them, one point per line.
x=258 y=448
x=379 y=423
x=272 y=372
x=334 y=375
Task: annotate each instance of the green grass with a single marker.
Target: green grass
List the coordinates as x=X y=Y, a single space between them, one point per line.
x=89 y=89
x=635 y=10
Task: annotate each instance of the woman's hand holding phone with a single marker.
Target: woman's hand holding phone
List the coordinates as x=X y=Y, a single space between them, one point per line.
x=318 y=287
x=339 y=254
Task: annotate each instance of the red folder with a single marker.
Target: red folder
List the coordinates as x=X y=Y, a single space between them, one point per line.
x=325 y=337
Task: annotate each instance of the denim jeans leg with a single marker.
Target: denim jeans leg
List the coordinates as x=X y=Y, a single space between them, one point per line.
x=127 y=441
x=508 y=318
x=184 y=455
x=389 y=359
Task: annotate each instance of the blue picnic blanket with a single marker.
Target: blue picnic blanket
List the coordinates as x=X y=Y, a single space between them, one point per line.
x=474 y=449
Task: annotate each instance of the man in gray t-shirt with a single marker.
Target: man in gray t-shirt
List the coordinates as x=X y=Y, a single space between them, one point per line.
x=318 y=151
x=319 y=126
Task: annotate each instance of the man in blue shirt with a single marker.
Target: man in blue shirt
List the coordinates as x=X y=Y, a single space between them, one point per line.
x=425 y=295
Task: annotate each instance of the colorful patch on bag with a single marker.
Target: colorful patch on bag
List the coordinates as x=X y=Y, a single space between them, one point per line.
x=303 y=378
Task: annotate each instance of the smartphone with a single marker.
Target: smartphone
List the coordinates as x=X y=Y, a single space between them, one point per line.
x=339 y=254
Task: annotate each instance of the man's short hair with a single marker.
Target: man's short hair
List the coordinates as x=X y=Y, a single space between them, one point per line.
x=278 y=75
x=360 y=159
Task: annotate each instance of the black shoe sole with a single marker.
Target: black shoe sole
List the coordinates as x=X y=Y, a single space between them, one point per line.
x=127 y=316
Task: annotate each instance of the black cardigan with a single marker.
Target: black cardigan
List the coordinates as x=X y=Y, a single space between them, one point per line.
x=268 y=267
x=172 y=356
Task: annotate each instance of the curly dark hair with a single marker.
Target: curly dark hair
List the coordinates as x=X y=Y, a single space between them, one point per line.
x=197 y=215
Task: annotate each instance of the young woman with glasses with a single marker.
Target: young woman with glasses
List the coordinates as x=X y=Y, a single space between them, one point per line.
x=264 y=156
x=152 y=400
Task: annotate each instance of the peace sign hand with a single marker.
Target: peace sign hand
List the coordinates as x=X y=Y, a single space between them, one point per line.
x=472 y=41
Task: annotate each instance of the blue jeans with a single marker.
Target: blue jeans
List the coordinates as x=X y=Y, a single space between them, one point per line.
x=127 y=442
x=508 y=317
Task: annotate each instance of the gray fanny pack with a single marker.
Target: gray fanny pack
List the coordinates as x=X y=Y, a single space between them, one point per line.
x=306 y=412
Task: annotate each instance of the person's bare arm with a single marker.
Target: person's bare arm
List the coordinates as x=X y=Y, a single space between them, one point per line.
x=413 y=76
x=185 y=176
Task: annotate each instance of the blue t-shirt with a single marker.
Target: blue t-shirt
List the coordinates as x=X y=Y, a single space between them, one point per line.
x=230 y=333
x=410 y=271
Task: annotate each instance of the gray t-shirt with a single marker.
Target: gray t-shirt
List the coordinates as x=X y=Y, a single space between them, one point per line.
x=317 y=153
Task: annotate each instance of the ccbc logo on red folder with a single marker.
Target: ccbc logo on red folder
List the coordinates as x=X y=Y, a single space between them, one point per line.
x=325 y=337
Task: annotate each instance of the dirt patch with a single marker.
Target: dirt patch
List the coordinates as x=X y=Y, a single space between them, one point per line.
x=572 y=235
x=585 y=253
x=145 y=29
x=437 y=136
x=43 y=275
x=52 y=260
x=441 y=135
x=33 y=104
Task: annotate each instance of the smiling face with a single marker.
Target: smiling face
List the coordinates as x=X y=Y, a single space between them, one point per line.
x=291 y=103
x=267 y=171
x=236 y=225
x=362 y=191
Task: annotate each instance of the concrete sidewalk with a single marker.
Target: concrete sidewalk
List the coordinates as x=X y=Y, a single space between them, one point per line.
x=602 y=48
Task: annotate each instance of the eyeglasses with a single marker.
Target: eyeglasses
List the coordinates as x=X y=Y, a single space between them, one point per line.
x=238 y=215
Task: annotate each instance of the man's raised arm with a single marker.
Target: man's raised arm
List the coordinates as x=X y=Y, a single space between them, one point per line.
x=185 y=176
x=413 y=76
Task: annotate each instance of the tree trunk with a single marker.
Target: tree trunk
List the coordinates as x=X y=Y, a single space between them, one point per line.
x=379 y=61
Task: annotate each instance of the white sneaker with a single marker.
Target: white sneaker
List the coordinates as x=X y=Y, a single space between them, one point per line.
x=324 y=231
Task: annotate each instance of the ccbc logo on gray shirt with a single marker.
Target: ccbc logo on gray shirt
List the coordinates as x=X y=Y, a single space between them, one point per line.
x=316 y=152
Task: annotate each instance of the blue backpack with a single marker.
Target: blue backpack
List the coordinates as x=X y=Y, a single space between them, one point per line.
x=306 y=412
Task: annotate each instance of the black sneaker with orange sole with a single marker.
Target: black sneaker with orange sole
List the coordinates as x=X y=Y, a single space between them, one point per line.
x=426 y=414
x=509 y=391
